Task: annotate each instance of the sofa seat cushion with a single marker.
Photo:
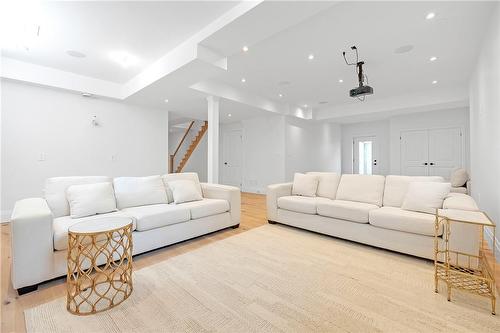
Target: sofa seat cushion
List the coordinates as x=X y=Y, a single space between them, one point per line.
x=403 y=220
x=60 y=226
x=346 y=210
x=205 y=207
x=157 y=216
x=300 y=204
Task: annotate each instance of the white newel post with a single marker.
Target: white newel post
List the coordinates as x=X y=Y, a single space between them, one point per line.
x=213 y=139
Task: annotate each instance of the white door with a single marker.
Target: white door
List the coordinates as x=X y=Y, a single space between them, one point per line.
x=433 y=152
x=232 y=158
x=365 y=155
x=445 y=151
x=414 y=153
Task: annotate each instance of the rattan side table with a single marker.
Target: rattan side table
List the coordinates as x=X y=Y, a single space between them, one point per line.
x=99 y=264
x=470 y=272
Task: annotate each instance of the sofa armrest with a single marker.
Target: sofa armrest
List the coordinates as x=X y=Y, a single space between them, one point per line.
x=230 y=193
x=32 y=242
x=460 y=201
x=274 y=192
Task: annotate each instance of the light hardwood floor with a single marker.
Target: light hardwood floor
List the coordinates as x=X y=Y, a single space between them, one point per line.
x=253 y=214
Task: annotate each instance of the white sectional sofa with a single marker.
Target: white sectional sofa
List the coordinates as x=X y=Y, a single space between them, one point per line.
x=40 y=225
x=367 y=209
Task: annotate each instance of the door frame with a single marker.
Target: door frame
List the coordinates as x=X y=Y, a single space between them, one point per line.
x=375 y=153
x=224 y=152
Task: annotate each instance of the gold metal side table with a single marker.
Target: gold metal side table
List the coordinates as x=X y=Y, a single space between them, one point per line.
x=470 y=272
x=99 y=264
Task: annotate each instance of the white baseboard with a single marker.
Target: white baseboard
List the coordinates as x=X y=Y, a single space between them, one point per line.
x=256 y=190
x=489 y=237
x=5 y=215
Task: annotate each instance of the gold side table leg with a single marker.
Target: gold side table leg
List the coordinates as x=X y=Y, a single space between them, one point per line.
x=446 y=234
x=436 y=249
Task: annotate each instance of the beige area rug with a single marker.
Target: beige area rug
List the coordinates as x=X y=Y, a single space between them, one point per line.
x=275 y=278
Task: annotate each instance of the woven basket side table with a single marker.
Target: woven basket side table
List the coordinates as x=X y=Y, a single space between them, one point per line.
x=99 y=264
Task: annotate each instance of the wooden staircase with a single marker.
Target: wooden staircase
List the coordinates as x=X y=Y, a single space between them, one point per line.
x=191 y=148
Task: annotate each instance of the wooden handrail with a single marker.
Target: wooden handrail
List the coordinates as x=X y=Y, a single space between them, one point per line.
x=182 y=140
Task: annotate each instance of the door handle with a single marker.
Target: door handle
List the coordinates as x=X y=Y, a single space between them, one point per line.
x=431 y=163
x=225 y=163
x=425 y=163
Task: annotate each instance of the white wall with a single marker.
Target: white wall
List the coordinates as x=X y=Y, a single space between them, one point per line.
x=198 y=160
x=57 y=124
x=380 y=129
x=274 y=147
x=427 y=120
x=311 y=146
x=263 y=151
x=388 y=133
x=485 y=124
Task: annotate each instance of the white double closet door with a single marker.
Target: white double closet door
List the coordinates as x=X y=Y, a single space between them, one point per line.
x=431 y=152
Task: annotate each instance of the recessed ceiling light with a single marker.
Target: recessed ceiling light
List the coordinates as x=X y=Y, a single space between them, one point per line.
x=280 y=95
x=76 y=54
x=243 y=80
x=229 y=115
x=245 y=48
x=166 y=101
x=433 y=58
x=403 y=49
x=434 y=82
x=305 y=105
x=430 y=16
x=86 y=94
x=311 y=56
x=125 y=59
x=340 y=80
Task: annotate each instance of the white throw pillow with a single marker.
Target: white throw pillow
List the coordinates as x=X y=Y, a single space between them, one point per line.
x=328 y=182
x=459 y=177
x=184 y=191
x=139 y=191
x=305 y=185
x=90 y=199
x=425 y=196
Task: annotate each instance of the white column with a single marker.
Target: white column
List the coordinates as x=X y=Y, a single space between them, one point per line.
x=213 y=139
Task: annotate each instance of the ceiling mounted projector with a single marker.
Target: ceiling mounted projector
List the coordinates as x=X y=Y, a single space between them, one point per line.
x=362 y=90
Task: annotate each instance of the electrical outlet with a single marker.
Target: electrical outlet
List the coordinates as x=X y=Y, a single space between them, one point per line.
x=113 y=158
x=41 y=157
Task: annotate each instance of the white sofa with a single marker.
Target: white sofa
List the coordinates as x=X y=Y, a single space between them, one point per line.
x=40 y=225
x=367 y=209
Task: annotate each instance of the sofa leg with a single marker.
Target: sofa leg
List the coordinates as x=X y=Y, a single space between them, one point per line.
x=235 y=226
x=28 y=289
x=271 y=222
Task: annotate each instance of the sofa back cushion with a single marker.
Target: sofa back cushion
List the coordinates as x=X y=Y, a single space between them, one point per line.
x=180 y=176
x=328 y=184
x=139 y=191
x=425 y=197
x=91 y=199
x=304 y=185
x=55 y=191
x=361 y=188
x=396 y=187
x=184 y=191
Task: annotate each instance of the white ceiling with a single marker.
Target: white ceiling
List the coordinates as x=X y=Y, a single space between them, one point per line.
x=145 y=29
x=377 y=29
x=280 y=36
